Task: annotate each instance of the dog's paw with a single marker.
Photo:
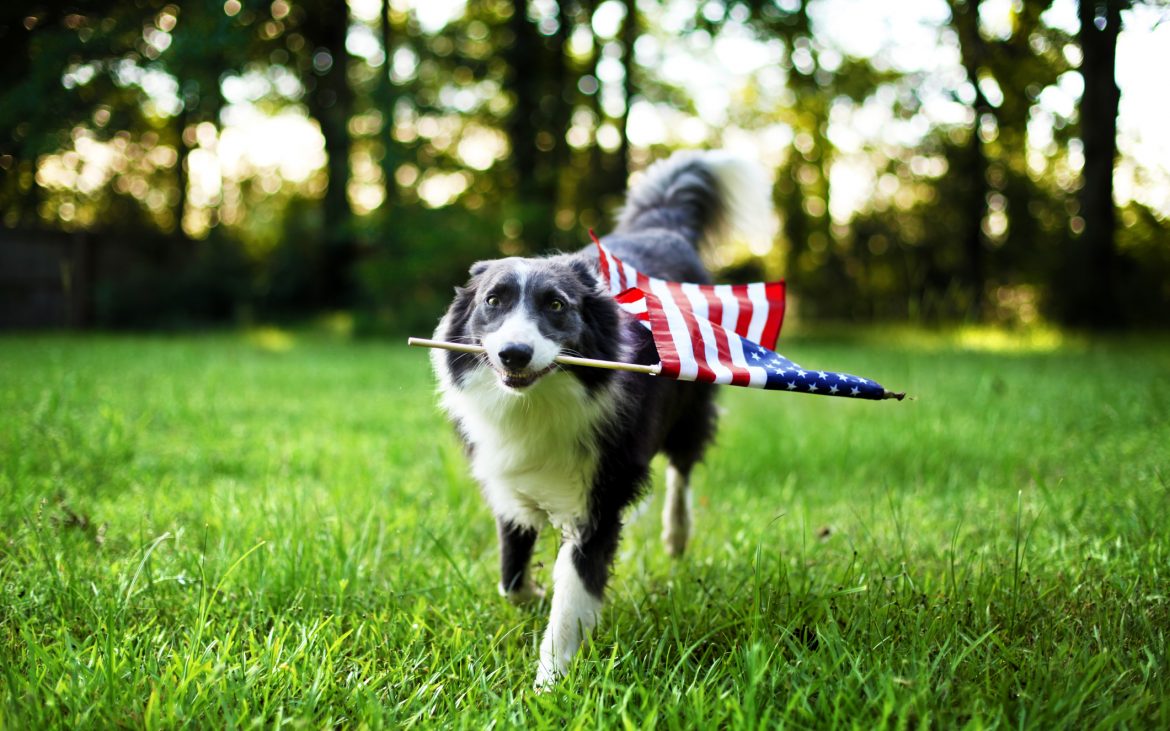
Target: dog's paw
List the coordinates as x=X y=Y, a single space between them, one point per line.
x=674 y=538
x=528 y=593
x=546 y=678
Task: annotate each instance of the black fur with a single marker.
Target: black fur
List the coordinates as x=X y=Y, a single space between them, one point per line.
x=659 y=234
x=516 y=543
x=459 y=313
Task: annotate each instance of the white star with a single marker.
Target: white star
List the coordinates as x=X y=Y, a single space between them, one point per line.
x=833 y=389
x=812 y=387
x=792 y=385
x=822 y=374
x=842 y=377
x=853 y=391
x=800 y=373
x=755 y=355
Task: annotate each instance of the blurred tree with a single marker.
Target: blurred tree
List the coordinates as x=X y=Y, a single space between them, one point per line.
x=207 y=43
x=65 y=69
x=507 y=130
x=973 y=189
x=387 y=102
x=999 y=197
x=323 y=62
x=528 y=138
x=1094 y=299
x=630 y=31
x=818 y=256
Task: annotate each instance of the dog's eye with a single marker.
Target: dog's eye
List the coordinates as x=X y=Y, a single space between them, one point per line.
x=556 y=305
x=492 y=300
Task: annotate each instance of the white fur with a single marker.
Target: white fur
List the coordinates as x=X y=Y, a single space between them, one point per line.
x=535 y=456
x=743 y=186
x=531 y=454
x=747 y=195
x=574 y=615
x=676 y=513
x=518 y=327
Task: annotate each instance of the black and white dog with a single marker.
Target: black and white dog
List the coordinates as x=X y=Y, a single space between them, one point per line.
x=572 y=446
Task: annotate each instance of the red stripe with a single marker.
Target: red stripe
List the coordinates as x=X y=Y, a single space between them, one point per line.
x=631 y=296
x=744 y=319
x=714 y=304
x=602 y=254
x=739 y=376
x=705 y=375
x=663 y=341
x=774 y=293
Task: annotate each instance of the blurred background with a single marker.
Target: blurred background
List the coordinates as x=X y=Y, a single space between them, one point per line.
x=183 y=164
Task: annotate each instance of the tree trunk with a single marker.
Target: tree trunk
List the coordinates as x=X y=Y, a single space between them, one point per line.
x=560 y=159
x=389 y=156
x=331 y=104
x=973 y=207
x=629 y=35
x=524 y=70
x=181 y=170
x=1095 y=298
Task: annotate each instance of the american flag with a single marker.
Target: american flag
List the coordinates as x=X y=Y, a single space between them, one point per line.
x=754 y=311
x=700 y=337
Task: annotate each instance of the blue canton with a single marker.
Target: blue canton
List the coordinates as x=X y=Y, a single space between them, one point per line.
x=784 y=375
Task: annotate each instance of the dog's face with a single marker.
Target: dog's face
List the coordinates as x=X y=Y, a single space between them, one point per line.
x=526 y=312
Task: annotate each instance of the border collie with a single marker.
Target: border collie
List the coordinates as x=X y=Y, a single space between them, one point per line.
x=572 y=446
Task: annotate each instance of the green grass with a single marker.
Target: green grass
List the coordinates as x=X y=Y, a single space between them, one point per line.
x=220 y=530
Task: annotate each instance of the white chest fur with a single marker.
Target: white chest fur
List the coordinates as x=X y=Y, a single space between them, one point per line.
x=534 y=452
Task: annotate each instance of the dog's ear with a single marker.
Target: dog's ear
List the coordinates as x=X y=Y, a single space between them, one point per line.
x=461 y=306
x=479 y=267
x=600 y=315
x=586 y=274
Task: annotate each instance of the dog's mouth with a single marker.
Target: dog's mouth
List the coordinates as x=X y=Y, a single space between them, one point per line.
x=520 y=380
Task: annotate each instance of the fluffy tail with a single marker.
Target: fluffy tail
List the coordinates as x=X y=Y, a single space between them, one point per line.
x=710 y=195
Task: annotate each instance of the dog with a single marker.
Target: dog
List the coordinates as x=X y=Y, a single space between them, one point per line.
x=571 y=446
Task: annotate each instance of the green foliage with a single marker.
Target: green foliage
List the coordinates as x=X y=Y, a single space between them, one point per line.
x=519 y=111
x=407 y=282
x=278 y=528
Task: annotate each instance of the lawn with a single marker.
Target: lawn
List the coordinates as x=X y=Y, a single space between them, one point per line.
x=216 y=530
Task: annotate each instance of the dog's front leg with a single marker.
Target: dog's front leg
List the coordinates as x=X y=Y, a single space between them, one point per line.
x=579 y=579
x=516 y=543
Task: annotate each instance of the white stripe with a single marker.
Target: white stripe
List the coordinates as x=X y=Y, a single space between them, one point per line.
x=688 y=368
x=631 y=276
x=697 y=300
x=615 y=279
x=611 y=279
x=699 y=308
x=730 y=306
x=636 y=307
x=757 y=376
x=759 y=298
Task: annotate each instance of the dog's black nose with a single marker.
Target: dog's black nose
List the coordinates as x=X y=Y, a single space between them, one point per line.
x=515 y=356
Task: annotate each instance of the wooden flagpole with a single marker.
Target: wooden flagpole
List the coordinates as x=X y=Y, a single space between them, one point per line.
x=613 y=365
